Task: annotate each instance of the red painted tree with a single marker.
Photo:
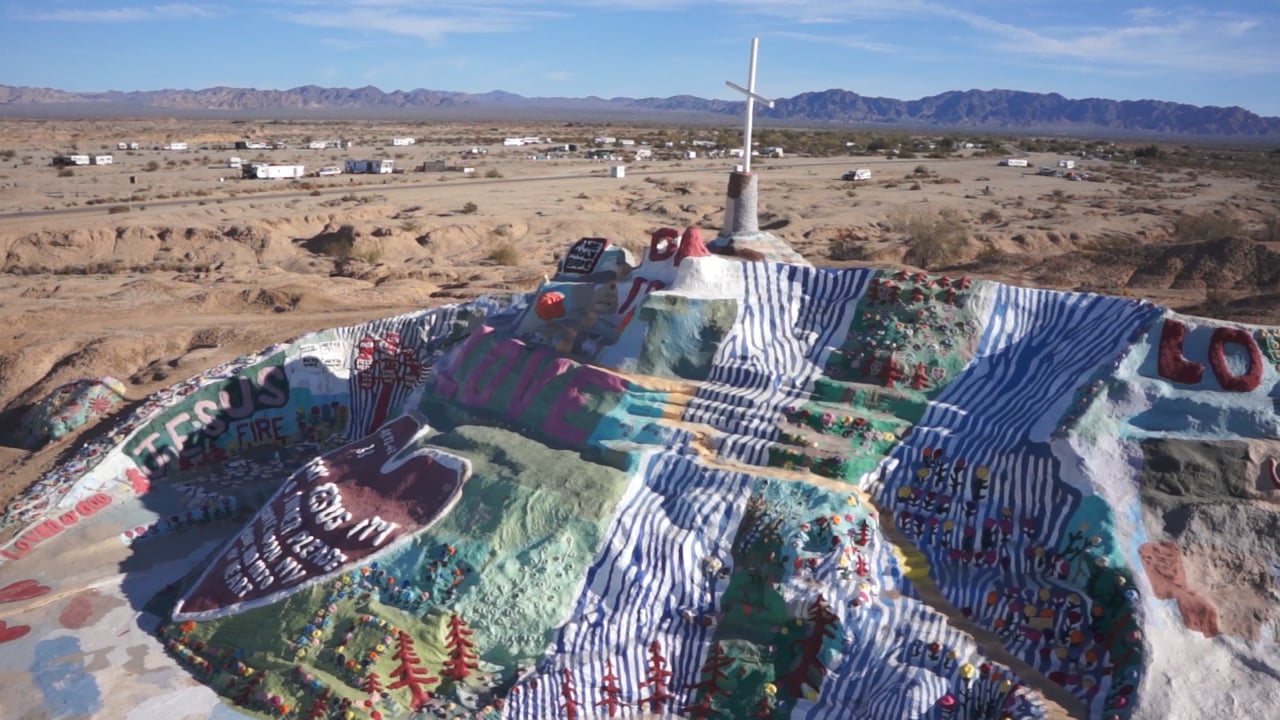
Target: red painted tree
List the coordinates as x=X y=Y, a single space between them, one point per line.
x=656 y=680
x=709 y=688
x=246 y=693
x=809 y=669
x=462 y=656
x=920 y=379
x=319 y=709
x=372 y=684
x=864 y=534
x=891 y=372
x=764 y=708
x=411 y=673
x=612 y=693
x=861 y=568
x=570 y=696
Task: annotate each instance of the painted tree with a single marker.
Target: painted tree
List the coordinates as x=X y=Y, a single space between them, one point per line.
x=612 y=701
x=711 y=685
x=372 y=684
x=656 y=680
x=411 y=673
x=864 y=534
x=245 y=695
x=569 y=695
x=764 y=708
x=462 y=656
x=319 y=709
x=809 y=669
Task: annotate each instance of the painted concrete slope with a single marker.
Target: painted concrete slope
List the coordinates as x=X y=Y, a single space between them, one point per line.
x=678 y=485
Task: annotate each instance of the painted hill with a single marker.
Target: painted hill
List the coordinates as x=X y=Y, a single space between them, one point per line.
x=685 y=486
x=986 y=109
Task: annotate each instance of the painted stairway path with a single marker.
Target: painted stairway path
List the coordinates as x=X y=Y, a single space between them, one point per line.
x=680 y=486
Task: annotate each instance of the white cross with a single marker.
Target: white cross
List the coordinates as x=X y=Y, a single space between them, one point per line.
x=752 y=97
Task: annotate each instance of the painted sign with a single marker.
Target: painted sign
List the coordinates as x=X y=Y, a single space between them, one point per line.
x=339 y=510
x=583 y=256
x=191 y=427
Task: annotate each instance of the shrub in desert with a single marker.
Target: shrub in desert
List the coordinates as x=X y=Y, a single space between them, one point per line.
x=505 y=254
x=934 y=240
x=1270 y=229
x=1217 y=298
x=469 y=208
x=492 y=173
x=847 y=246
x=1206 y=226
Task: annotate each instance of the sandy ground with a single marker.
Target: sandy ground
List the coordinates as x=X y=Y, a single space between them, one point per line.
x=164 y=263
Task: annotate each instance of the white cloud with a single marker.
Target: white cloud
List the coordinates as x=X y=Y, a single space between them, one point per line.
x=170 y=11
x=1193 y=41
x=426 y=21
x=846 y=41
x=559 y=76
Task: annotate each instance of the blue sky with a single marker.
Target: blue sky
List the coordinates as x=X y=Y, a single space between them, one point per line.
x=1224 y=53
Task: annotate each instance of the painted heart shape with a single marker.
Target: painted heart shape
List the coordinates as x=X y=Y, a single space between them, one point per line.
x=8 y=633
x=22 y=590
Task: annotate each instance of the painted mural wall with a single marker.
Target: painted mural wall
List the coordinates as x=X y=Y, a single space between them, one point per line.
x=678 y=485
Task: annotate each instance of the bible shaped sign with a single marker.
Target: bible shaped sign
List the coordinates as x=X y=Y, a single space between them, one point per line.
x=342 y=509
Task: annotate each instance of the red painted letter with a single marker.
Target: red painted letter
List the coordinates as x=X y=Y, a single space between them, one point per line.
x=1171 y=364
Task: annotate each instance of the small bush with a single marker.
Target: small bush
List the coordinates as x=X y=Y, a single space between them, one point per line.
x=847 y=246
x=1270 y=229
x=1205 y=227
x=469 y=208
x=935 y=240
x=151 y=166
x=493 y=173
x=66 y=172
x=1217 y=298
x=369 y=255
x=117 y=209
x=505 y=254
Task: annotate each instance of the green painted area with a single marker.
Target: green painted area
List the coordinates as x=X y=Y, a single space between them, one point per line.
x=910 y=336
x=683 y=335
x=787 y=532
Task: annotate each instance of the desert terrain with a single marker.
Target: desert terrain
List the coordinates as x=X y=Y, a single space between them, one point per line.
x=167 y=262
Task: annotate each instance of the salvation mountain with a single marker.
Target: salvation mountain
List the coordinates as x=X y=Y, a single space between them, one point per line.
x=978 y=109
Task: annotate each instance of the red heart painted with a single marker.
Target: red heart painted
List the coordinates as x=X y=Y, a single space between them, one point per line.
x=22 y=590
x=12 y=633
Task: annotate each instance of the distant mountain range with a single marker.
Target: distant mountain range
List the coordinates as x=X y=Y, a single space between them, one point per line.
x=978 y=109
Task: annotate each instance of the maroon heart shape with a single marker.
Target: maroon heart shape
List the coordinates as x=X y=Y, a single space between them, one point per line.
x=22 y=590
x=12 y=633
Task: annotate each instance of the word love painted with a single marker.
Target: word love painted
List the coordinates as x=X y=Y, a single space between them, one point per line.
x=1172 y=363
x=25 y=542
x=553 y=390
x=338 y=511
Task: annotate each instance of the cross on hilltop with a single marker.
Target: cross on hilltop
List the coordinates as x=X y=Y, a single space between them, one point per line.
x=752 y=97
